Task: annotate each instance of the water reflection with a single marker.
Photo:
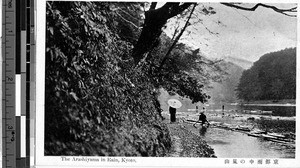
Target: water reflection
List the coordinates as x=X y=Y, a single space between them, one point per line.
x=287 y=111
x=202 y=130
x=230 y=144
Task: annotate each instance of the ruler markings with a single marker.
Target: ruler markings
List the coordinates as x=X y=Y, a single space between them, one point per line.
x=31 y=113
x=9 y=132
x=30 y=46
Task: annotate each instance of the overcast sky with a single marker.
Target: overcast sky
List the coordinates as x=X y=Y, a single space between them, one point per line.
x=244 y=34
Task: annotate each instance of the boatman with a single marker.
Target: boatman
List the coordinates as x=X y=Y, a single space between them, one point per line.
x=202 y=118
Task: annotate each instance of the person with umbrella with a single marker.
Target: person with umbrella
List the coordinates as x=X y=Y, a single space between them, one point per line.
x=202 y=118
x=173 y=103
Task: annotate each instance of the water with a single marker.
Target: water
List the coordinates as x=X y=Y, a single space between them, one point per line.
x=287 y=111
x=232 y=144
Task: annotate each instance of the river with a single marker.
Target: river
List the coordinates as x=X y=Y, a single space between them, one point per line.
x=232 y=144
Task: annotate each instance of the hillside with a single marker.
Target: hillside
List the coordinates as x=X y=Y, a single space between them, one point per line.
x=245 y=64
x=272 y=77
x=225 y=90
x=219 y=92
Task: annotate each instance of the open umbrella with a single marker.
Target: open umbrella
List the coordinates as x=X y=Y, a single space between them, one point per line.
x=174 y=103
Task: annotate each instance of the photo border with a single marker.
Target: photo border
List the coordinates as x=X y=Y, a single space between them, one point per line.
x=49 y=161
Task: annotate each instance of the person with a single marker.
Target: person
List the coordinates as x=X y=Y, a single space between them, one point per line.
x=202 y=118
x=196 y=109
x=172 y=111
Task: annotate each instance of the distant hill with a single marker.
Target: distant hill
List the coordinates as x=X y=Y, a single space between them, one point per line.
x=224 y=92
x=272 y=77
x=245 y=64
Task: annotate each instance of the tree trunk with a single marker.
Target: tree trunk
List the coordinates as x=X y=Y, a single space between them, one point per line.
x=155 y=19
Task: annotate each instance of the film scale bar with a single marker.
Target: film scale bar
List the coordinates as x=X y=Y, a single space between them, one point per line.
x=17 y=84
x=8 y=84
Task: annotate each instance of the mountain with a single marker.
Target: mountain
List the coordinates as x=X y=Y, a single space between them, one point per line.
x=224 y=92
x=245 y=64
x=272 y=77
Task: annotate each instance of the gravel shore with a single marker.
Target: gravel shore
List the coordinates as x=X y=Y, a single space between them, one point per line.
x=185 y=143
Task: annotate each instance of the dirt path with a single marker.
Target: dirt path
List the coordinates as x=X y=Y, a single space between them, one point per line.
x=185 y=143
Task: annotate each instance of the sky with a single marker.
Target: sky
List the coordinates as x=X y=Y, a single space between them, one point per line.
x=242 y=34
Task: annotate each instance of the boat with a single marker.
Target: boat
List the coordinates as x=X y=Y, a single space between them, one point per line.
x=253 y=134
x=191 y=121
x=243 y=128
x=275 y=139
x=266 y=112
x=257 y=131
x=259 y=112
x=276 y=135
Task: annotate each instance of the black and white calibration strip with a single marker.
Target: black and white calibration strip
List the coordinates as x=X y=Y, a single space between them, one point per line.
x=18 y=83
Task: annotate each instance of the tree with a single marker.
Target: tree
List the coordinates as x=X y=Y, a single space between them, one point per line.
x=185 y=72
x=155 y=20
x=96 y=103
x=272 y=77
x=288 y=12
x=174 y=66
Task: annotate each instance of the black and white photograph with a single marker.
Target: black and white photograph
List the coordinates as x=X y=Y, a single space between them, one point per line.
x=186 y=80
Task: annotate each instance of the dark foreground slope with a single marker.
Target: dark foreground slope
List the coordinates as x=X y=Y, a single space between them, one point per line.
x=94 y=105
x=97 y=102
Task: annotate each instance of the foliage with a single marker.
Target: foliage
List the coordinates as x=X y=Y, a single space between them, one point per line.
x=155 y=20
x=186 y=72
x=91 y=106
x=272 y=77
x=98 y=100
x=224 y=91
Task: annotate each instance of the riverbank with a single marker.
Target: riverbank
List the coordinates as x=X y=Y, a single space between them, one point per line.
x=226 y=142
x=185 y=143
x=271 y=102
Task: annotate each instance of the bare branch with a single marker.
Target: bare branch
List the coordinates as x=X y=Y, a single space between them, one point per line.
x=128 y=21
x=128 y=14
x=154 y=21
x=187 y=23
x=282 y=11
